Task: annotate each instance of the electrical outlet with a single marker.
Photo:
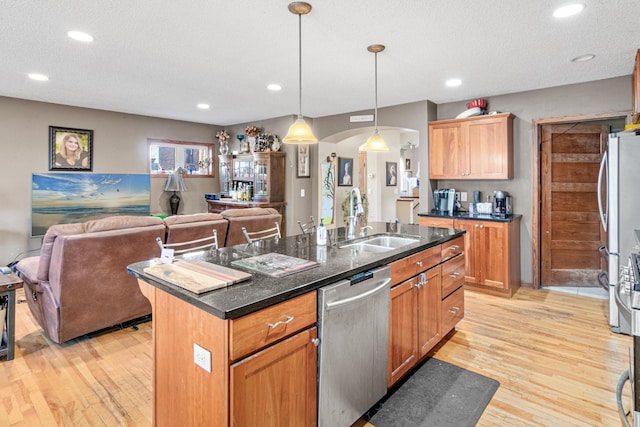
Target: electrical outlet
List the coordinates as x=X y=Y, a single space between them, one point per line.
x=202 y=357
x=463 y=196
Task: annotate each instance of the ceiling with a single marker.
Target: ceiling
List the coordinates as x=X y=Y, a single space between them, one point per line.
x=161 y=58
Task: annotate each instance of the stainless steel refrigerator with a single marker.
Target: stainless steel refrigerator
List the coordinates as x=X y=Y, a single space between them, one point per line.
x=619 y=204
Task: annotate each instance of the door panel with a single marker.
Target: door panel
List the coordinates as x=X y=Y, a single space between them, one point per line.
x=570 y=227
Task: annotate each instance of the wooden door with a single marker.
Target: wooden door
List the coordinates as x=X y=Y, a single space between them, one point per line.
x=490 y=148
x=569 y=221
x=429 y=301
x=471 y=251
x=403 y=330
x=493 y=245
x=277 y=386
x=447 y=151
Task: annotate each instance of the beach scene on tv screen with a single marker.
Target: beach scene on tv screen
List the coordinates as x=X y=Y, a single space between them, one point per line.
x=64 y=198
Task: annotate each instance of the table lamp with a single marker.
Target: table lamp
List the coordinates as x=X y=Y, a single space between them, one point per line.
x=175 y=183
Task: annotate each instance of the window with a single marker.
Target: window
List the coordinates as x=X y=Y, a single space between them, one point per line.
x=166 y=155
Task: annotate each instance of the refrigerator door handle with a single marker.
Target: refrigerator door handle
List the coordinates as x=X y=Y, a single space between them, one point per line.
x=604 y=252
x=603 y=280
x=601 y=175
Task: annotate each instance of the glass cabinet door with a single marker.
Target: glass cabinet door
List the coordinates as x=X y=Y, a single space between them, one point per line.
x=261 y=167
x=225 y=173
x=243 y=168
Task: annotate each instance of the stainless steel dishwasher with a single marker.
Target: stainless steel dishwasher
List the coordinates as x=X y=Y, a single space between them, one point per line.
x=353 y=326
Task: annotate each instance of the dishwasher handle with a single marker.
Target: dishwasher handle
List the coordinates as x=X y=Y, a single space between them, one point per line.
x=338 y=303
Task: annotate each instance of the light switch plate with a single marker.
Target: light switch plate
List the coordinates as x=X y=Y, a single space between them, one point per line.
x=202 y=357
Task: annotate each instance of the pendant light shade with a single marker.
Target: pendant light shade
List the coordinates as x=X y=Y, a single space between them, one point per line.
x=375 y=142
x=300 y=132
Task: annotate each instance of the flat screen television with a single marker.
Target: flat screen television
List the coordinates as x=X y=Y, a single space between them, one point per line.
x=64 y=198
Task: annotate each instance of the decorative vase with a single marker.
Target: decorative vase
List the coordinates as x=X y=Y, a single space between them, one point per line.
x=224 y=147
x=276 y=144
x=252 y=143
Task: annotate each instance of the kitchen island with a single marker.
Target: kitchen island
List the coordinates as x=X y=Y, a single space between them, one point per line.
x=246 y=354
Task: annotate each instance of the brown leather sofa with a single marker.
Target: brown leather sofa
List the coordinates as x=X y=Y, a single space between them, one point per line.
x=79 y=283
x=184 y=228
x=253 y=219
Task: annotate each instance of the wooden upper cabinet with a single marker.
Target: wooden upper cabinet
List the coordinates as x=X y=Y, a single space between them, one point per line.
x=473 y=148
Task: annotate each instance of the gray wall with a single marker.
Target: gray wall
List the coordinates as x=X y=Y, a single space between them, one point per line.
x=119 y=146
x=610 y=95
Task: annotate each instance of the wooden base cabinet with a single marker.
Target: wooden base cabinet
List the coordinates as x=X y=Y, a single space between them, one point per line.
x=262 y=368
x=492 y=255
x=415 y=323
x=277 y=386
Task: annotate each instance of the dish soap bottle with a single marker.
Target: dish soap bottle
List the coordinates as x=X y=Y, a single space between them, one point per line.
x=321 y=238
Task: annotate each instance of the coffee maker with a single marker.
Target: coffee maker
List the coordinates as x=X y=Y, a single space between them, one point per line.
x=444 y=201
x=501 y=204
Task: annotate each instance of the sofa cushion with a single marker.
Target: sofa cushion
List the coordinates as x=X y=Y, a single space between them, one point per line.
x=120 y=222
x=253 y=219
x=184 y=228
x=28 y=269
x=197 y=217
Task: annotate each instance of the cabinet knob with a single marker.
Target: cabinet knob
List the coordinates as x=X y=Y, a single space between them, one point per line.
x=481 y=226
x=476 y=226
x=454 y=310
x=454 y=248
x=454 y=274
x=315 y=341
x=281 y=322
x=419 y=263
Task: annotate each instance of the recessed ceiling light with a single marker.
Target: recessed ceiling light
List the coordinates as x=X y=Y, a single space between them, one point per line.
x=38 y=77
x=204 y=106
x=453 y=82
x=80 y=36
x=568 y=10
x=274 y=87
x=583 y=58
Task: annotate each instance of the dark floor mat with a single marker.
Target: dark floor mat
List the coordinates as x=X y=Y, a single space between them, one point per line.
x=436 y=394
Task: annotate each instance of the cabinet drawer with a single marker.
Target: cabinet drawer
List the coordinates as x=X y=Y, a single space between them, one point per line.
x=452 y=248
x=452 y=310
x=412 y=265
x=429 y=221
x=452 y=275
x=257 y=330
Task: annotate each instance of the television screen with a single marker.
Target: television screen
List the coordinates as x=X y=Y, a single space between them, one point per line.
x=64 y=198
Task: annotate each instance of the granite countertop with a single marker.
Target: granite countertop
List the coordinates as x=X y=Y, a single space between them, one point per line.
x=263 y=290
x=467 y=215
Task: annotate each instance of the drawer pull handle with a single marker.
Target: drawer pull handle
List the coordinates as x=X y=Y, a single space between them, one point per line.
x=454 y=248
x=281 y=322
x=454 y=274
x=454 y=310
x=419 y=263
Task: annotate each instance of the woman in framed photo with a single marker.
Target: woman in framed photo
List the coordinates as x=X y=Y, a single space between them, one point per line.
x=70 y=153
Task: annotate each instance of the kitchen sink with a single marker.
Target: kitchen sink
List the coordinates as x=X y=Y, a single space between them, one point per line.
x=379 y=243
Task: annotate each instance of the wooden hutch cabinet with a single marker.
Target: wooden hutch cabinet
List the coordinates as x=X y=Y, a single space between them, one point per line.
x=472 y=148
x=264 y=171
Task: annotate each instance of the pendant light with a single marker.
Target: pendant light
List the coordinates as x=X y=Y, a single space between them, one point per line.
x=375 y=141
x=300 y=132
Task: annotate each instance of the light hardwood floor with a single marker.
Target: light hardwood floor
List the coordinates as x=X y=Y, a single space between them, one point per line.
x=553 y=354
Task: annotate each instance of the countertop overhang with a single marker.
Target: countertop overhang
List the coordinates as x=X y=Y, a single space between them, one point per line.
x=334 y=264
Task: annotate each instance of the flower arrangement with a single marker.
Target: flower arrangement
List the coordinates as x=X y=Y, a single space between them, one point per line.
x=252 y=131
x=222 y=135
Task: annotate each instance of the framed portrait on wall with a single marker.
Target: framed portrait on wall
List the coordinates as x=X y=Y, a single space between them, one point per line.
x=70 y=149
x=392 y=174
x=303 y=161
x=345 y=172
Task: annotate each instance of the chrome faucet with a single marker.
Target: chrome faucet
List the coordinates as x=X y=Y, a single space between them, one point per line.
x=355 y=198
x=363 y=230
